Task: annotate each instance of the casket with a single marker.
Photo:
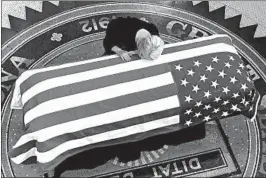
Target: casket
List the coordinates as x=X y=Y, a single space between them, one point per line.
x=105 y=101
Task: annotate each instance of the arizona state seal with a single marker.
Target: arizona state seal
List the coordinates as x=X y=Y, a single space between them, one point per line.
x=233 y=146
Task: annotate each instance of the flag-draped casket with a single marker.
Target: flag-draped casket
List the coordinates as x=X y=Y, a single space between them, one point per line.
x=100 y=102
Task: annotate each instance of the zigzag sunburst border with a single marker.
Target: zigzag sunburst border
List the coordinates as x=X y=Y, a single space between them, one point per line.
x=33 y=16
x=203 y=8
x=233 y=23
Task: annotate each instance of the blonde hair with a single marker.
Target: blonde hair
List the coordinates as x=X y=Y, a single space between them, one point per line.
x=150 y=47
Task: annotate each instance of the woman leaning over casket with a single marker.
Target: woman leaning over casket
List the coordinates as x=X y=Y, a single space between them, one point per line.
x=131 y=34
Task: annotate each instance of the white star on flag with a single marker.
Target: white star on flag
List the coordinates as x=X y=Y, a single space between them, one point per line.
x=207 y=107
x=198 y=104
x=239 y=71
x=195 y=88
x=188 y=111
x=225 y=102
x=184 y=82
x=214 y=84
x=203 y=78
x=197 y=114
x=225 y=114
x=188 y=122
x=227 y=64
x=235 y=108
x=207 y=118
x=248 y=79
x=188 y=99
x=190 y=72
x=243 y=101
x=197 y=63
x=250 y=93
x=207 y=94
x=221 y=74
x=241 y=66
x=235 y=95
x=217 y=99
x=244 y=86
x=251 y=108
x=216 y=110
x=233 y=79
x=246 y=103
x=215 y=59
x=225 y=90
x=209 y=68
x=179 y=67
x=231 y=58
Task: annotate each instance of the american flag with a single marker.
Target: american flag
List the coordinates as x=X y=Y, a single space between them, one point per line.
x=100 y=102
x=213 y=87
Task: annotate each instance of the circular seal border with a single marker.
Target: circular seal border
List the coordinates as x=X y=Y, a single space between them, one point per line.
x=14 y=44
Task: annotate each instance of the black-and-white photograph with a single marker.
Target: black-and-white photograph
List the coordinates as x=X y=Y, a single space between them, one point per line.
x=133 y=89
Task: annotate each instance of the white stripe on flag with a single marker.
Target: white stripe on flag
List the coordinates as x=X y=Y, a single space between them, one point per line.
x=92 y=96
x=101 y=119
x=183 y=43
x=114 y=134
x=124 y=67
x=25 y=75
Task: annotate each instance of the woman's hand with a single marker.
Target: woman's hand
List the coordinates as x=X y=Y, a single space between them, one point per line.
x=126 y=56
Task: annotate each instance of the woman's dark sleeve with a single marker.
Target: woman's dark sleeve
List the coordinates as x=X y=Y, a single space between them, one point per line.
x=153 y=29
x=107 y=44
x=146 y=25
x=111 y=38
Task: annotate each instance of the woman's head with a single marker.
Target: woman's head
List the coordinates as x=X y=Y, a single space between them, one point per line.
x=150 y=47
